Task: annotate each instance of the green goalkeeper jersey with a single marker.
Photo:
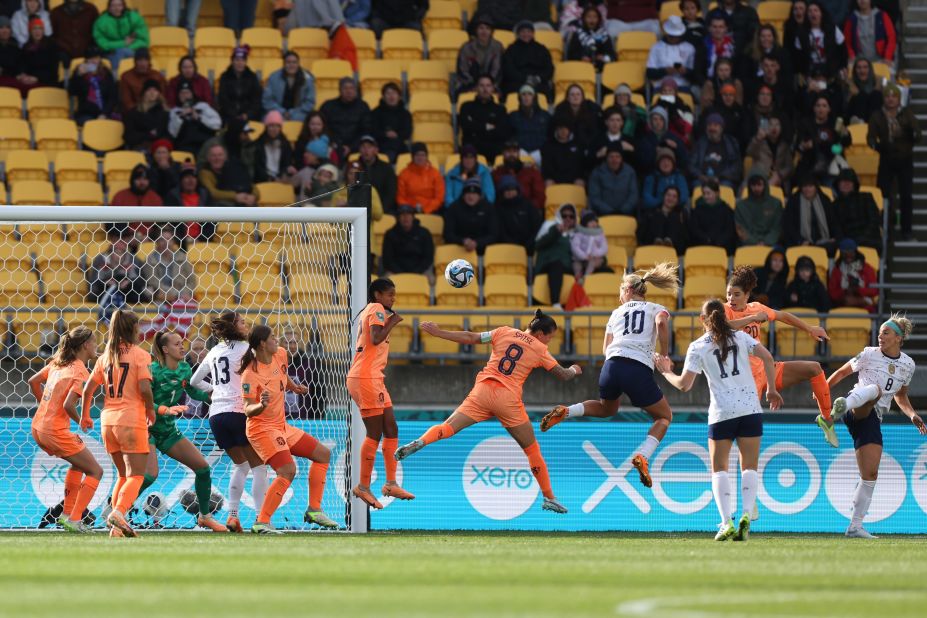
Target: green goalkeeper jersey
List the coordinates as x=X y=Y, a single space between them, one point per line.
x=167 y=386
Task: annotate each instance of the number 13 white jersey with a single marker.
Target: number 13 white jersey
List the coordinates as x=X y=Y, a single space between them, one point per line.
x=222 y=364
x=889 y=374
x=633 y=327
x=730 y=382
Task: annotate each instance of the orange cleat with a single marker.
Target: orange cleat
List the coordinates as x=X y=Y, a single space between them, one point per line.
x=208 y=521
x=643 y=468
x=233 y=524
x=393 y=490
x=553 y=417
x=118 y=520
x=364 y=494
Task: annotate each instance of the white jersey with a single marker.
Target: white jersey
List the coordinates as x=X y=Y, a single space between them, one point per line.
x=222 y=364
x=733 y=392
x=889 y=374
x=633 y=327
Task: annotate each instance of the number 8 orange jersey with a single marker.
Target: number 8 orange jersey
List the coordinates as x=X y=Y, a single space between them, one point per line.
x=514 y=356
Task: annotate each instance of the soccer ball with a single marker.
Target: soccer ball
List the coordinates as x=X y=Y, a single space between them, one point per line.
x=155 y=505
x=459 y=273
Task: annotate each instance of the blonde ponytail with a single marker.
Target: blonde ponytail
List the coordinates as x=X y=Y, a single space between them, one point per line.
x=663 y=276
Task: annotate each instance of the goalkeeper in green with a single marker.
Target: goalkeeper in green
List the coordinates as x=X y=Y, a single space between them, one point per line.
x=170 y=379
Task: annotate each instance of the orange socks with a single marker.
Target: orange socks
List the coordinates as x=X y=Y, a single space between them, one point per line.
x=72 y=481
x=317 y=473
x=84 y=496
x=389 y=458
x=437 y=432
x=117 y=487
x=272 y=499
x=539 y=469
x=368 y=457
x=128 y=493
x=822 y=394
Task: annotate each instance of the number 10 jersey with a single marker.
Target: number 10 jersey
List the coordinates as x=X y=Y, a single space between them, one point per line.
x=633 y=327
x=222 y=364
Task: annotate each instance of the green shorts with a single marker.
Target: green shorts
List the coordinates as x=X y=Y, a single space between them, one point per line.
x=163 y=435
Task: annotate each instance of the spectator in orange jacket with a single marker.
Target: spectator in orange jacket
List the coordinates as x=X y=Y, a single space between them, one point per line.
x=420 y=184
x=131 y=84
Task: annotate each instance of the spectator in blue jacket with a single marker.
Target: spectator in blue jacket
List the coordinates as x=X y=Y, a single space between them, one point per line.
x=357 y=13
x=613 y=185
x=529 y=123
x=666 y=175
x=469 y=167
x=290 y=90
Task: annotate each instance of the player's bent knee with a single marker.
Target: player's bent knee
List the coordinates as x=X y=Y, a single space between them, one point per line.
x=321 y=454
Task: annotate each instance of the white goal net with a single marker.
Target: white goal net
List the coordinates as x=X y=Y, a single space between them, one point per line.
x=301 y=271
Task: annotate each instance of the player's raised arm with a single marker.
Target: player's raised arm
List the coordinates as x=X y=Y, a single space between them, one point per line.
x=815 y=331
x=904 y=404
x=836 y=377
x=457 y=336
x=740 y=323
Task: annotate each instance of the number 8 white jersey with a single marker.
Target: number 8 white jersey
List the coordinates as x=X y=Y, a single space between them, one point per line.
x=222 y=364
x=889 y=374
x=633 y=327
x=730 y=382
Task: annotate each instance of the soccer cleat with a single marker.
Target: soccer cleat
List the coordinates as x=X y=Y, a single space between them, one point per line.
x=551 y=504
x=393 y=490
x=233 y=524
x=755 y=515
x=262 y=528
x=208 y=521
x=858 y=533
x=643 y=468
x=839 y=409
x=829 y=429
x=553 y=417
x=71 y=526
x=118 y=520
x=743 y=528
x=407 y=449
x=726 y=531
x=319 y=518
x=115 y=533
x=367 y=496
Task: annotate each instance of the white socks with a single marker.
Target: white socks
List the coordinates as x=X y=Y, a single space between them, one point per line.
x=721 y=488
x=237 y=486
x=861 y=499
x=577 y=409
x=748 y=487
x=650 y=445
x=258 y=485
x=861 y=395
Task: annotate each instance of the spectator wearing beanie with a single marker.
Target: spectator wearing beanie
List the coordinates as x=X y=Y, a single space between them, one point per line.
x=93 y=86
x=562 y=159
x=192 y=122
x=345 y=116
x=189 y=192
x=380 y=174
x=519 y=219
x=273 y=155
x=420 y=184
x=165 y=172
x=852 y=279
x=40 y=59
x=138 y=193
x=529 y=123
x=806 y=289
x=147 y=121
x=613 y=185
x=659 y=134
x=530 y=181
x=712 y=221
x=665 y=175
x=526 y=61
x=240 y=90
x=470 y=220
x=758 y=215
x=468 y=168
x=589 y=248
x=132 y=83
x=716 y=155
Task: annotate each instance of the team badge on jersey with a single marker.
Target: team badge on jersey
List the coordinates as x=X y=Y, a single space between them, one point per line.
x=246 y=388
x=891 y=368
x=380 y=315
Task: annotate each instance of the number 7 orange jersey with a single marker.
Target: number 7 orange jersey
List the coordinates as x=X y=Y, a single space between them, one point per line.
x=514 y=356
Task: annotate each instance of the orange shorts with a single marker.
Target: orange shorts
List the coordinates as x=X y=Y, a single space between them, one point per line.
x=489 y=399
x=59 y=444
x=268 y=442
x=118 y=438
x=370 y=395
x=759 y=377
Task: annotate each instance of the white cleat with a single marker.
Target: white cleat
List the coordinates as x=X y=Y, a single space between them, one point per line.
x=858 y=533
x=726 y=531
x=755 y=514
x=838 y=409
x=551 y=504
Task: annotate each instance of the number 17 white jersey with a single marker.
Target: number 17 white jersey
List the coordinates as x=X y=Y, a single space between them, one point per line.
x=222 y=364
x=633 y=327
x=730 y=382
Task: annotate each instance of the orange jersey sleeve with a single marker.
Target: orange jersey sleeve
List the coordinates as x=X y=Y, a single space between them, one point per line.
x=51 y=416
x=259 y=378
x=122 y=398
x=369 y=359
x=515 y=354
x=754 y=330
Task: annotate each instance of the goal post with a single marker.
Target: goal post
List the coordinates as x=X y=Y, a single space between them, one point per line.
x=302 y=271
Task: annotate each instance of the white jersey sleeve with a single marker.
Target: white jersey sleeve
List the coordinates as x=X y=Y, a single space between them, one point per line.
x=222 y=362
x=198 y=379
x=889 y=374
x=730 y=381
x=633 y=327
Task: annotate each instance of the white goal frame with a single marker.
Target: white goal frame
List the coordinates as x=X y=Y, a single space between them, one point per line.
x=360 y=252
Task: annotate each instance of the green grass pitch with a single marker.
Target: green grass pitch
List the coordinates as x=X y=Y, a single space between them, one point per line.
x=461 y=574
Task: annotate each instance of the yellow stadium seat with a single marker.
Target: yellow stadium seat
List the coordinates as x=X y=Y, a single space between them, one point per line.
x=775 y=12
x=574 y=72
x=754 y=256
x=858 y=144
x=402 y=44
x=216 y=289
x=261 y=287
x=76 y=165
x=169 y=42
x=464 y=97
x=635 y=45
x=264 y=15
x=444 y=45
x=448 y=296
x=32 y=193
x=648 y=256
x=64 y=287
x=872 y=257
x=427 y=76
x=618 y=258
x=24 y=165
x=311 y=290
x=212 y=42
x=47 y=103
x=685 y=97
x=365 y=42
x=11 y=103
x=698 y=289
x=865 y=165
x=102 y=135
x=849 y=329
x=882 y=71
x=18 y=287
x=505 y=291
x=818 y=254
x=668 y=9
x=437 y=136
x=264 y=42
x=380 y=228
x=291 y=130
x=588 y=332
x=505 y=259
x=435 y=226
x=553 y=41
x=81 y=193
x=876 y=193
x=540 y=290
x=705 y=261
x=727 y=196
x=620 y=230
x=54 y=135
x=374 y=74
x=430 y=107
x=436 y=345
x=603 y=289
x=181 y=156
x=257 y=256
x=15 y=255
x=506 y=37
x=512 y=103
x=442 y=14
x=275 y=194
x=327 y=73
x=267 y=67
x=686 y=329
x=309 y=43
x=209 y=257
x=445 y=254
x=118 y=165
x=14 y=135
x=558 y=195
x=791 y=342
x=86 y=233
x=623 y=72
x=412 y=290
x=153 y=10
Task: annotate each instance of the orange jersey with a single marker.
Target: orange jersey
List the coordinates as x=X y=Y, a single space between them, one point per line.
x=258 y=378
x=51 y=417
x=369 y=359
x=514 y=356
x=754 y=330
x=122 y=398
